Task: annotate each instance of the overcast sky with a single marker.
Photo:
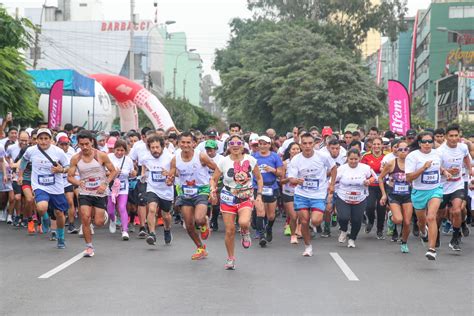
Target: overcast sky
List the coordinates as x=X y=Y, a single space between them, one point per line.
x=206 y=22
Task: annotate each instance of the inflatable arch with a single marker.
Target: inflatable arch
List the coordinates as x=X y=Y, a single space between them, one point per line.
x=129 y=96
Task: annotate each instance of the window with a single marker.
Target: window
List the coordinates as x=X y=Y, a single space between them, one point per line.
x=469 y=11
x=455 y=12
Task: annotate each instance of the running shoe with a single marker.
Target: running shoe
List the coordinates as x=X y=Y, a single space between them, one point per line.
x=246 y=240
x=53 y=236
x=394 y=235
x=106 y=217
x=380 y=235
x=92 y=228
x=205 y=231
x=326 y=231
x=177 y=219
x=137 y=221
x=269 y=234
x=351 y=243
x=46 y=223
x=40 y=228
x=118 y=222
x=89 y=252
x=3 y=216
x=287 y=231
x=446 y=227
x=112 y=227
x=142 y=233
x=168 y=237
x=9 y=219
x=431 y=254
x=31 y=228
x=200 y=253
x=81 y=233
x=263 y=242
x=293 y=240
x=319 y=230
x=125 y=236
x=368 y=228
x=61 y=243
x=160 y=222
x=342 y=237
x=230 y=264
x=308 y=251
x=404 y=248
x=465 y=230
x=424 y=236
x=151 y=239
x=131 y=228
x=390 y=224
x=16 y=221
x=24 y=223
x=71 y=229
x=454 y=244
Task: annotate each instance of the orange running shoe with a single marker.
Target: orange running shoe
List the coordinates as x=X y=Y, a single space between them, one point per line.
x=205 y=231
x=31 y=228
x=200 y=253
x=160 y=222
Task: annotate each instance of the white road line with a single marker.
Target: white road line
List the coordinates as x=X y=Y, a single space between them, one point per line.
x=62 y=266
x=344 y=267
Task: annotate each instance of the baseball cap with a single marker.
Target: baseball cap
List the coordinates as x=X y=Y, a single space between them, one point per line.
x=211 y=133
x=411 y=133
x=265 y=139
x=210 y=143
x=111 y=142
x=327 y=131
x=63 y=139
x=59 y=135
x=253 y=139
x=44 y=131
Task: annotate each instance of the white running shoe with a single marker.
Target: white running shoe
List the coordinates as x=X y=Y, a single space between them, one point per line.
x=125 y=236
x=351 y=244
x=106 y=217
x=112 y=227
x=81 y=234
x=342 y=237
x=9 y=219
x=92 y=229
x=308 y=251
x=3 y=216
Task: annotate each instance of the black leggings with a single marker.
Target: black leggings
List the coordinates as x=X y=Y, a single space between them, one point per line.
x=373 y=202
x=352 y=212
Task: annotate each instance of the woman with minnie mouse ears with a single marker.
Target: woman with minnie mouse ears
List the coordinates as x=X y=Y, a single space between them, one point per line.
x=236 y=198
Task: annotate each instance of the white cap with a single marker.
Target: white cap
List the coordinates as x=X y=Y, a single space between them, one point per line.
x=253 y=138
x=60 y=135
x=265 y=139
x=29 y=130
x=44 y=131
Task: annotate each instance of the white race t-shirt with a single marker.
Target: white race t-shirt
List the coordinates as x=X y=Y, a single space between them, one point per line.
x=351 y=188
x=139 y=150
x=339 y=160
x=41 y=176
x=430 y=178
x=217 y=158
x=13 y=151
x=126 y=169
x=156 y=181
x=314 y=172
x=70 y=152
x=453 y=158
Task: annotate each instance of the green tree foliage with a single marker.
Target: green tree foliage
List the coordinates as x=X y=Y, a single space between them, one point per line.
x=282 y=74
x=17 y=92
x=352 y=18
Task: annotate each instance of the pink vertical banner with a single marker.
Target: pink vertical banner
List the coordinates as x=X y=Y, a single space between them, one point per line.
x=398 y=107
x=55 y=108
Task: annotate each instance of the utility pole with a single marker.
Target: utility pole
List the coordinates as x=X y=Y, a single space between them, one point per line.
x=37 y=53
x=132 y=28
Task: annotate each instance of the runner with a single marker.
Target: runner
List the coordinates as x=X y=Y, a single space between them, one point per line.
x=236 y=197
x=156 y=166
x=271 y=167
x=399 y=192
x=119 y=197
x=423 y=169
x=91 y=165
x=353 y=179
x=313 y=193
x=48 y=163
x=374 y=160
x=288 y=195
x=454 y=156
x=211 y=147
x=189 y=166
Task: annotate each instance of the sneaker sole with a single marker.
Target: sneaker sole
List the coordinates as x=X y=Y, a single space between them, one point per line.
x=430 y=257
x=150 y=241
x=230 y=268
x=263 y=243
x=125 y=238
x=89 y=255
x=452 y=248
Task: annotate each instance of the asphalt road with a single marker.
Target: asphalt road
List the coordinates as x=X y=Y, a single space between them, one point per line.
x=126 y=278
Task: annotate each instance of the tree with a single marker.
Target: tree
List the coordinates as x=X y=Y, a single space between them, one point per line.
x=282 y=74
x=17 y=92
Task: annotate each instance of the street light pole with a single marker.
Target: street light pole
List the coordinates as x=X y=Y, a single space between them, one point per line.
x=175 y=69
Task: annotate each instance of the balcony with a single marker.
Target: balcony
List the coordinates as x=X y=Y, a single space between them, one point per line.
x=420 y=80
x=422 y=57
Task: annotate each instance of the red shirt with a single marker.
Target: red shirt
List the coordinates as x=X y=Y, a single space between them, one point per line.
x=375 y=163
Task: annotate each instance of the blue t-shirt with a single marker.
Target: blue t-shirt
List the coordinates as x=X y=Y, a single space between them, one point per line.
x=272 y=160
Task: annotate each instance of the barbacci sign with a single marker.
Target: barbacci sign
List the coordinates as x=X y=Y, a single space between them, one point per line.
x=122 y=26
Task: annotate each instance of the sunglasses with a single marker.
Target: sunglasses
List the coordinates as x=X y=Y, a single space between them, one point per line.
x=426 y=141
x=235 y=143
x=403 y=149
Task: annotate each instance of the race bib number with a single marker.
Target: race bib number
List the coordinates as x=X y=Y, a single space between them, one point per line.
x=227 y=198
x=352 y=197
x=312 y=184
x=430 y=177
x=46 y=180
x=288 y=191
x=190 y=191
x=157 y=176
x=401 y=188
x=123 y=185
x=267 y=191
x=92 y=184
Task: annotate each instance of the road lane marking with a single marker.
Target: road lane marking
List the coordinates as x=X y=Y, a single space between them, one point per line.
x=344 y=267
x=62 y=266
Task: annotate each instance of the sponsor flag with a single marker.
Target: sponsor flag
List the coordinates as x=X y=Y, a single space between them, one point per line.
x=398 y=107
x=55 y=104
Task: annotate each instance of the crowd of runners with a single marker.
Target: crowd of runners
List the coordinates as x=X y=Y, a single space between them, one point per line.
x=319 y=181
